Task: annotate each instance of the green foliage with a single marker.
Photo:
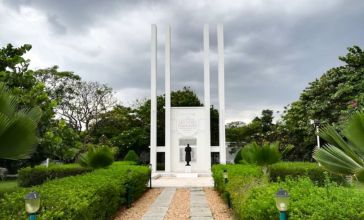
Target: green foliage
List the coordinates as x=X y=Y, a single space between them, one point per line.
x=131 y=156
x=343 y=156
x=316 y=173
x=238 y=175
x=261 y=155
x=97 y=157
x=307 y=201
x=18 y=137
x=61 y=142
x=260 y=129
x=238 y=157
x=331 y=99
x=7 y=186
x=253 y=196
x=37 y=175
x=95 y=195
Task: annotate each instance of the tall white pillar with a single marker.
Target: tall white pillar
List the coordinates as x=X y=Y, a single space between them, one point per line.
x=221 y=91
x=207 y=102
x=153 y=99
x=167 y=86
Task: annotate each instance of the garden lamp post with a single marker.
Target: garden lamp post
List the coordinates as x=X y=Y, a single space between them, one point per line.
x=316 y=124
x=226 y=180
x=225 y=175
x=282 y=200
x=32 y=204
x=150 y=175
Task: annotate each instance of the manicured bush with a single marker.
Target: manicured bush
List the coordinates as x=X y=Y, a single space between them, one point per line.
x=307 y=201
x=39 y=174
x=95 y=195
x=238 y=157
x=239 y=175
x=297 y=169
x=131 y=156
x=252 y=195
x=97 y=157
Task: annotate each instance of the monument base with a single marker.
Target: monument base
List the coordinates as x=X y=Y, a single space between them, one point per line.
x=187 y=174
x=188 y=169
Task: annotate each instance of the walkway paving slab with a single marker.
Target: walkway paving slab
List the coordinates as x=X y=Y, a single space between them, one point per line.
x=199 y=209
x=159 y=208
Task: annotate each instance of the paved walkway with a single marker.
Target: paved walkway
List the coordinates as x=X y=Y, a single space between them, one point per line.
x=159 y=208
x=199 y=209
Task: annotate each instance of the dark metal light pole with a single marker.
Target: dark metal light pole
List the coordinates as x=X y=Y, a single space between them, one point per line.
x=150 y=176
x=226 y=180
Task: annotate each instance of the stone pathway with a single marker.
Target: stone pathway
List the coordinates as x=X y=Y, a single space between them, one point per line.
x=199 y=208
x=159 y=208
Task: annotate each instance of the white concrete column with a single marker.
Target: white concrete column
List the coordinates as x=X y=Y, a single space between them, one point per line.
x=153 y=99
x=221 y=91
x=167 y=86
x=207 y=102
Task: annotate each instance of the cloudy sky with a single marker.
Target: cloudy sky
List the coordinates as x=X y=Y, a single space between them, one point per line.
x=272 y=48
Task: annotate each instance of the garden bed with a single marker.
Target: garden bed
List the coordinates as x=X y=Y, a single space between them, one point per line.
x=95 y=195
x=252 y=194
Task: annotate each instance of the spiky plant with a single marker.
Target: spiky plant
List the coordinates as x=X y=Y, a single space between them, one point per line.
x=344 y=154
x=97 y=157
x=263 y=155
x=18 y=136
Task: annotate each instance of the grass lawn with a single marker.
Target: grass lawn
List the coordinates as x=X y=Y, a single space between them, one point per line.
x=8 y=186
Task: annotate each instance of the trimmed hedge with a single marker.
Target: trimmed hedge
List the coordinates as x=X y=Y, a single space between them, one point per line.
x=252 y=195
x=40 y=174
x=307 y=201
x=95 y=195
x=317 y=174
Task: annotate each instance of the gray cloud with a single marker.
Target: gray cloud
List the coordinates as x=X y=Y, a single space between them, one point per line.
x=272 y=48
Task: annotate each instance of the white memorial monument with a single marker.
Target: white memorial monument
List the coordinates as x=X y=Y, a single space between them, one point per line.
x=187 y=125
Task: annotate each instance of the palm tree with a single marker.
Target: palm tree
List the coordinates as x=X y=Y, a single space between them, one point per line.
x=344 y=155
x=263 y=156
x=17 y=127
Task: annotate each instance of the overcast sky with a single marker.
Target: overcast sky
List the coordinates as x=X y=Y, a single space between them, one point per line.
x=273 y=49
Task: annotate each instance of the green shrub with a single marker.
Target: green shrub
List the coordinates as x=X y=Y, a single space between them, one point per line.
x=95 y=195
x=307 y=201
x=39 y=174
x=131 y=156
x=252 y=195
x=238 y=157
x=97 y=157
x=238 y=174
x=298 y=169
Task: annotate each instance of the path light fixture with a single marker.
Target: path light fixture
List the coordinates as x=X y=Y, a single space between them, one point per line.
x=282 y=200
x=32 y=204
x=316 y=124
x=225 y=175
x=226 y=180
x=150 y=176
x=129 y=190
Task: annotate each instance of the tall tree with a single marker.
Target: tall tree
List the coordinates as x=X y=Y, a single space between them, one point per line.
x=331 y=99
x=86 y=103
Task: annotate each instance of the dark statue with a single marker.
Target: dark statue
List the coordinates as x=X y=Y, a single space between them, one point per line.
x=188 y=150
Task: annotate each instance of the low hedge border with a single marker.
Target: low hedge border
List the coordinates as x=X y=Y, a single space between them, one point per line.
x=94 y=195
x=317 y=174
x=307 y=201
x=37 y=175
x=252 y=194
